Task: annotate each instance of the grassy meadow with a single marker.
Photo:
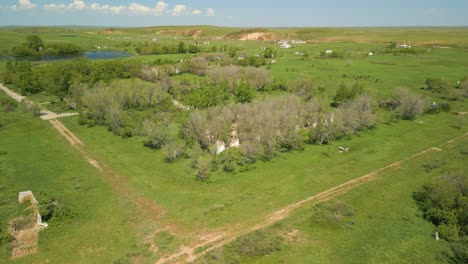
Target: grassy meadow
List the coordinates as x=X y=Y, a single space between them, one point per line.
x=383 y=224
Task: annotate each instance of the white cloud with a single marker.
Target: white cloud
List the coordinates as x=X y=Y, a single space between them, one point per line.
x=54 y=7
x=107 y=9
x=160 y=8
x=210 y=12
x=134 y=8
x=78 y=5
x=23 y=5
x=179 y=10
x=138 y=9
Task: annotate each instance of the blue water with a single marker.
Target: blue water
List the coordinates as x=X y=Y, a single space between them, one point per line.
x=92 y=55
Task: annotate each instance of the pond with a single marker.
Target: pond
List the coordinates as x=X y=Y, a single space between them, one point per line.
x=92 y=55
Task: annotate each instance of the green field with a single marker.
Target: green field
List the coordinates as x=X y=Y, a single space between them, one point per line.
x=106 y=225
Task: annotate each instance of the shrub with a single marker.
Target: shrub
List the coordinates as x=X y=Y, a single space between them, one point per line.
x=409 y=105
x=256 y=243
x=174 y=151
x=437 y=85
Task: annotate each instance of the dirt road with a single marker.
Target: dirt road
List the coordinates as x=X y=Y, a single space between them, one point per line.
x=219 y=239
x=120 y=184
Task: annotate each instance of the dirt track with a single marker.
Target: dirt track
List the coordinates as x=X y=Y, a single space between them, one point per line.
x=119 y=183
x=222 y=238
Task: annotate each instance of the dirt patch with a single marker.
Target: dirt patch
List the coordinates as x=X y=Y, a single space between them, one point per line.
x=183 y=33
x=25 y=231
x=252 y=34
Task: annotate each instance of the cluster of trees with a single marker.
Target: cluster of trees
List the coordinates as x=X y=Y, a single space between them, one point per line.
x=444 y=202
x=279 y=124
x=157 y=48
x=223 y=83
x=58 y=78
x=34 y=46
x=232 y=76
x=120 y=105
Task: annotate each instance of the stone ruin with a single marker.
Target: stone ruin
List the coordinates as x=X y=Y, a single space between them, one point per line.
x=25 y=230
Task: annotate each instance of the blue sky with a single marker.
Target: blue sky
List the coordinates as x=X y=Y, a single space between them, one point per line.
x=245 y=13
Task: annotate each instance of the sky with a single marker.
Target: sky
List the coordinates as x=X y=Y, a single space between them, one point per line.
x=238 y=13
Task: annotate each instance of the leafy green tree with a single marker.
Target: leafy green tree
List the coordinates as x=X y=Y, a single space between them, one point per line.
x=34 y=42
x=244 y=93
x=437 y=85
x=181 y=48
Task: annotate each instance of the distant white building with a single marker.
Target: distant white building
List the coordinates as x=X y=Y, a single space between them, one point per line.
x=285 y=46
x=328 y=51
x=404 y=46
x=297 y=41
x=371 y=53
x=273 y=62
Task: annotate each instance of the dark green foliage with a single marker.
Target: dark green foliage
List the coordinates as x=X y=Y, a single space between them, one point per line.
x=444 y=202
x=244 y=93
x=437 y=85
x=157 y=48
x=34 y=42
x=54 y=210
x=437 y=108
x=345 y=93
x=252 y=61
x=62 y=49
x=208 y=96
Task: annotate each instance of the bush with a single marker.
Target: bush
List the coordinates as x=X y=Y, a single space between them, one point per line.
x=409 y=105
x=256 y=243
x=174 y=151
x=437 y=85
x=204 y=169
x=449 y=232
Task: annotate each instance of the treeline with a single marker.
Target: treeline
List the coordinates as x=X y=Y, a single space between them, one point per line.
x=34 y=46
x=157 y=48
x=58 y=78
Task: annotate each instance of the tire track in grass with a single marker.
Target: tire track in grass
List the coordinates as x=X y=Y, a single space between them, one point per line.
x=119 y=183
x=220 y=239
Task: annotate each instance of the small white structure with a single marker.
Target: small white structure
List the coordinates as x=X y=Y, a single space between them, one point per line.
x=26 y=195
x=285 y=46
x=297 y=41
x=220 y=146
x=328 y=51
x=404 y=46
x=371 y=53
x=273 y=62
